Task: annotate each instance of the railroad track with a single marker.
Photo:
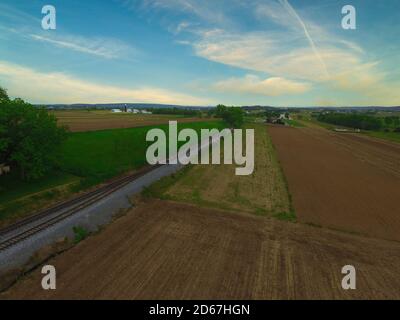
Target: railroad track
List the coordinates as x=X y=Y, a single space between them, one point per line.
x=22 y=230
x=38 y=222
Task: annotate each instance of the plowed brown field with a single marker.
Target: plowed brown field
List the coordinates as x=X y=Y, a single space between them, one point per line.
x=79 y=121
x=167 y=250
x=344 y=181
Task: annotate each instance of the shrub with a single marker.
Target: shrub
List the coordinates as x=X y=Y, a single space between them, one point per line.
x=80 y=234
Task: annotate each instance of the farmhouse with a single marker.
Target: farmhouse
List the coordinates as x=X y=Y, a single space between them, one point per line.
x=4 y=169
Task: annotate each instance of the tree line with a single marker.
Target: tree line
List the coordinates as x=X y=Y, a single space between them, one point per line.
x=177 y=111
x=352 y=120
x=29 y=137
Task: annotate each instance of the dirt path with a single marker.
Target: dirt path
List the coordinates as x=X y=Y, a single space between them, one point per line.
x=166 y=250
x=342 y=181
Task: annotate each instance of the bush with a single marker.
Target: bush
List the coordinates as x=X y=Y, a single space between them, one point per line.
x=80 y=234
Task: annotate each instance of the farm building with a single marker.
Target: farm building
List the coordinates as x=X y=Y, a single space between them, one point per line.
x=116 y=111
x=4 y=169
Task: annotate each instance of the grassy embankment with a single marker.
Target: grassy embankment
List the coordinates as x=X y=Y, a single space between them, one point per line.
x=263 y=193
x=85 y=159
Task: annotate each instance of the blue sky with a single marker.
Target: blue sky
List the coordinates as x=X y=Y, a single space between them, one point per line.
x=236 y=52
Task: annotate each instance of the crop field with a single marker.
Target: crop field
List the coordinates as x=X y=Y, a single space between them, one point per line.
x=169 y=250
x=79 y=121
x=343 y=181
x=110 y=152
x=262 y=193
x=85 y=159
x=214 y=235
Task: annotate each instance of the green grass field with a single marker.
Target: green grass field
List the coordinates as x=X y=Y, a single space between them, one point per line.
x=85 y=159
x=11 y=187
x=111 y=152
x=391 y=136
x=263 y=193
x=295 y=123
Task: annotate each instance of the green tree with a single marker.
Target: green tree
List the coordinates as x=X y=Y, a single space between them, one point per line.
x=3 y=95
x=220 y=111
x=234 y=117
x=388 y=121
x=29 y=138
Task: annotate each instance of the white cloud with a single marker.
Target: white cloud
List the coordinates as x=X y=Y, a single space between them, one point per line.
x=38 y=87
x=105 y=48
x=274 y=86
x=210 y=11
x=293 y=47
x=264 y=51
x=23 y=24
x=281 y=54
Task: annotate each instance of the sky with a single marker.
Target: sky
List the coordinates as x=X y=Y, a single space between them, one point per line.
x=202 y=53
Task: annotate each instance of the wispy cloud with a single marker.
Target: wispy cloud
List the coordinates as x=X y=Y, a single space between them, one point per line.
x=295 y=15
x=101 y=47
x=16 y=16
x=21 y=24
x=206 y=10
x=39 y=87
x=266 y=52
x=298 y=50
x=270 y=87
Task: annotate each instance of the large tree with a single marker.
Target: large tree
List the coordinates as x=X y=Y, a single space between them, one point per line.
x=233 y=116
x=29 y=138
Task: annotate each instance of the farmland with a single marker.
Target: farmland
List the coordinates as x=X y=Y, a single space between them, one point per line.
x=90 y=120
x=342 y=181
x=216 y=186
x=205 y=233
x=169 y=250
x=110 y=152
x=85 y=159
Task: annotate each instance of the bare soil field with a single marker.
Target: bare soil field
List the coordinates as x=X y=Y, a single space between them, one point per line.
x=343 y=181
x=79 y=121
x=262 y=193
x=169 y=250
